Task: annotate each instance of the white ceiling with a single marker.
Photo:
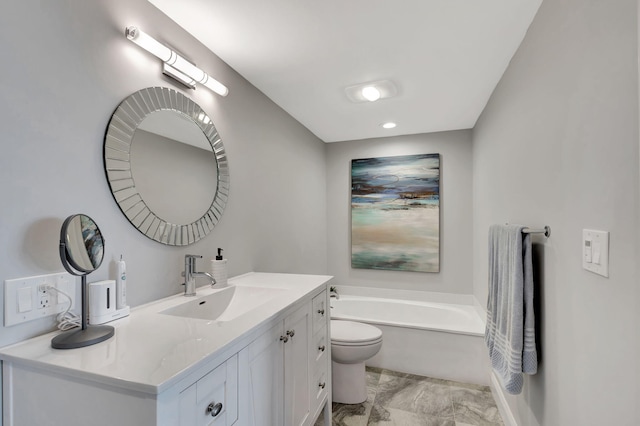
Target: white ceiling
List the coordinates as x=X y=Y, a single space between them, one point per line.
x=444 y=56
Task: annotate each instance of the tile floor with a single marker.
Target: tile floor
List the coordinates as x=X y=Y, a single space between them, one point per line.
x=399 y=399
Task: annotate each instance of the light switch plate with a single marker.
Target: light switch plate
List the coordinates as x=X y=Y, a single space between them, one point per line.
x=595 y=251
x=26 y=299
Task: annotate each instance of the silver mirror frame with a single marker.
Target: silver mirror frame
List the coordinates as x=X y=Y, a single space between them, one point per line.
x=117 y=147
x=80 y=261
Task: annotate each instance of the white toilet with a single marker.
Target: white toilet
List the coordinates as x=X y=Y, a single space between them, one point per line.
x=352 y=343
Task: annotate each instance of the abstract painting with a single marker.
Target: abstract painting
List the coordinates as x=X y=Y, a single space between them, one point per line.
x=395 y=213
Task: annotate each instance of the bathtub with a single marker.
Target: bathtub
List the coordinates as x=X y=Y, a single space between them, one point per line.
x=440 y=340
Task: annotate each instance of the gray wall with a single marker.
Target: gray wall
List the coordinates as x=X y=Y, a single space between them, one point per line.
x=455 y=215
x=558 y=145
x=67 y=65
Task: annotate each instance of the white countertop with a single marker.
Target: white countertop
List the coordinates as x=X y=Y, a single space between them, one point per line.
x=152 y=351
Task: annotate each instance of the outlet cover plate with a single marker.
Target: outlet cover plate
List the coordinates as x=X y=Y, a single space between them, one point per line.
x=16 y=290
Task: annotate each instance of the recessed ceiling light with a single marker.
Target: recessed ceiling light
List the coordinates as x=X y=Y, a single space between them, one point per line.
x=389 y=125
x=370 y=93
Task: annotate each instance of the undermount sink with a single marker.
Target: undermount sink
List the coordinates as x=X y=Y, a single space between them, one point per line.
x=226 y=304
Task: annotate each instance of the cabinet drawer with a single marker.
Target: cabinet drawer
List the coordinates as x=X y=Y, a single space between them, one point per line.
x=319 y=390
x=213 y=399
x=321 y=346
x=320 y=311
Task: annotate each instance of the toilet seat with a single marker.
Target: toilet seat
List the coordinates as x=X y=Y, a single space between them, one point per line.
x=350 y=333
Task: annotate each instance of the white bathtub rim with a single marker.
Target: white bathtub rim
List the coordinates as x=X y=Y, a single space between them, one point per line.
x=407 y=325
x=464 y=309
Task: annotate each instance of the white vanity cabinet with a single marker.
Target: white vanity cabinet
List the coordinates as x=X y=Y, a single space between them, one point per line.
x=288 y=369
x=37 y=397
x=269 y=367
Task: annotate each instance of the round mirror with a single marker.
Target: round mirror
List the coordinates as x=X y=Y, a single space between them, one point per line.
x=173 y=166
x=166 y=166
x=81 y=245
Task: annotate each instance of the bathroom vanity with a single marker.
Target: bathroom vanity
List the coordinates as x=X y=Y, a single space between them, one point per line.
x=255 y=353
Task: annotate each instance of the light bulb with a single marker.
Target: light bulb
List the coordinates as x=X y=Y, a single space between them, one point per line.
x=148 y=43
x=389 y=125
x=216 y=86
x=370 y=93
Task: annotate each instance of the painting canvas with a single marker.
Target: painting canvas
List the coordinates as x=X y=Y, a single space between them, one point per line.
x=395 y=213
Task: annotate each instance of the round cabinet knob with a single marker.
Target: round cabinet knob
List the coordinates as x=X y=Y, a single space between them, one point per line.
x=321 y=311
x=321 y=348
x=214 y=409
x=291 y=333
x=284 y=339
x=322 y=385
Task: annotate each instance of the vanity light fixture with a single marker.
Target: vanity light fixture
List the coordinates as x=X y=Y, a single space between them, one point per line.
x=175 y=65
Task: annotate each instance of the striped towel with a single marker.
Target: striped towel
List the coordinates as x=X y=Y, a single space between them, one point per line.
x=510 y=331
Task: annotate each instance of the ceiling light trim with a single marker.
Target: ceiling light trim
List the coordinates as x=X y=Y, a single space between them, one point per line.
x=386 y=88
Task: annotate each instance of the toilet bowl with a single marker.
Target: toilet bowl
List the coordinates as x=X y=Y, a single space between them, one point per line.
x=352 y=343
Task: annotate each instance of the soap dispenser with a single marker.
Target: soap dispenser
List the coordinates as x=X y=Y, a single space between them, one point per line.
x=219 y=269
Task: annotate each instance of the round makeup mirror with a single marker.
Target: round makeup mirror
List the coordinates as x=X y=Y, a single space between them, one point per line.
x=81 y=252
x=166 y=166
x=83 y=245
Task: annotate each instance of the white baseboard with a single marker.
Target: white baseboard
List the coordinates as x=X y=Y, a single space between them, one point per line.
x=501 y=402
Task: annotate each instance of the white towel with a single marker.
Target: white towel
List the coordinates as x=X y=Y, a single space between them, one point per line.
x=510 y=332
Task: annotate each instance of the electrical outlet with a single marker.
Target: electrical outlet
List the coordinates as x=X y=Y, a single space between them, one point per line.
x=44 y=301
x=44 y=296
x=27 y=299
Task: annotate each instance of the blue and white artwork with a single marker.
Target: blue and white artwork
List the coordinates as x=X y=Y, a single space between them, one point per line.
x=395 y=213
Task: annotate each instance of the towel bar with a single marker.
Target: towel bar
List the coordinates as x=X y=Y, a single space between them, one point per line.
x=546 y=231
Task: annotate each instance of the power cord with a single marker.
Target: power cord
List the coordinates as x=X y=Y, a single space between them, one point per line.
x=66 y=320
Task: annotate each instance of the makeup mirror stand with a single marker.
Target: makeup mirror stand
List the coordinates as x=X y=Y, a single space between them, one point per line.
x=86 y=335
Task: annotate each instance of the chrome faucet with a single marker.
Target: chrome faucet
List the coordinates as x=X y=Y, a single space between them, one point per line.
x=333 y=292
x=190 y=274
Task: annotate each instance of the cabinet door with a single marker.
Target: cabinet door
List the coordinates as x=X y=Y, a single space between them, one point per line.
x=297 y=399
x=213 y=399
x=266 y=379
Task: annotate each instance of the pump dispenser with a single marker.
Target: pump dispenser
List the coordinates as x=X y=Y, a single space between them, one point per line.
x=219 y=270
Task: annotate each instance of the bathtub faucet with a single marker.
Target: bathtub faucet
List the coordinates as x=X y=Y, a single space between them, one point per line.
x=333 y=293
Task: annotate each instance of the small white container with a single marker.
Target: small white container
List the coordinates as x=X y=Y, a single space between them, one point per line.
x=102 y=301
x=219 y=270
